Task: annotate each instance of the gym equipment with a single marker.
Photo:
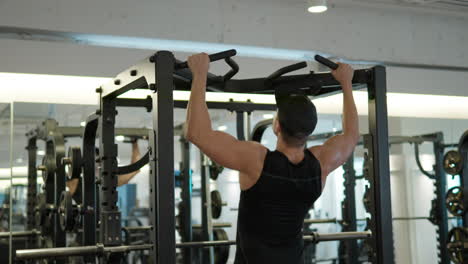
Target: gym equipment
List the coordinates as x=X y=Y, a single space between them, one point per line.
x=47 y=167
x=221 y=253
x=44 y=213
x=454 y=201
x=68 y=213
x=216 y=204
x=452 y=162
x=73 y=163
x=159 y=75
x=330 y=64
x=457 y=245
x=215 y=170
x=99 y=250
x=463 y=142
x=367 y=199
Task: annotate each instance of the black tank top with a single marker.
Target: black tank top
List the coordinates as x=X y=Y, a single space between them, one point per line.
x=271 y=213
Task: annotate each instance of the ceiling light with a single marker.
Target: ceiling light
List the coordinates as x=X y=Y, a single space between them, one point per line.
x=268 y=116
x=40 y=152
x=222 y=128
x=317 y=6
x=119 y=138
x=83 y=123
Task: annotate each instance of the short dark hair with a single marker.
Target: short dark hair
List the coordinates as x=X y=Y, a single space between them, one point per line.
x=297 y=118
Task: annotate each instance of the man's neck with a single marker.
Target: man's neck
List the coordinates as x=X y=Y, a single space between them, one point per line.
x=294 y=154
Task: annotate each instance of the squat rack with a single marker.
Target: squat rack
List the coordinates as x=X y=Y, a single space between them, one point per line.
x=159 y=74
x=162 y=74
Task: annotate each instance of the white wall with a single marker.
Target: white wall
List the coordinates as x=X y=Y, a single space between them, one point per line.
x=359 y=33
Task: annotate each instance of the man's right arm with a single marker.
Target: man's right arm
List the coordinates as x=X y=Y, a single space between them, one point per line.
x=336 y=150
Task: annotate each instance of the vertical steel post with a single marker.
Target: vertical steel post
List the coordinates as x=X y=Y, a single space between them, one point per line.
x=464 y=180
x=162 y=160
x=207 y=223
x=186 y=198
x=348 y=207
x=381 y=222
x=32 y=190
x=109 y=215
x=440 y=190
x=88 y=186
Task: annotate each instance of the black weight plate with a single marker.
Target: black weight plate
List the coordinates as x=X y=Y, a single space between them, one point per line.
x=40 y=210
x=456 y=237
x=74 y=166
x=221 y=254
x=66 y=211
x=215 y=170
x=216 y=204
x=452 y=162
x=454 y=201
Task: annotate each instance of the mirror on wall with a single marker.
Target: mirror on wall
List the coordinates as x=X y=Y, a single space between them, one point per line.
x=6 y=113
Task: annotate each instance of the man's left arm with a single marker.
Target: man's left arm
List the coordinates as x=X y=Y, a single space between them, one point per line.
x=125 y=178
x=222 y=148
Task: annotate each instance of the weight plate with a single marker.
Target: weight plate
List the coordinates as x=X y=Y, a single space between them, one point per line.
x=454 y=201
x=216 y=204
x=221 y=254
x=215 y=170
x=39 y=211
x=66 y=216
x=48 y=167
x=456 y=238
x=366 y=200
x=73 y=163
x=452 y=162
x=463 y=143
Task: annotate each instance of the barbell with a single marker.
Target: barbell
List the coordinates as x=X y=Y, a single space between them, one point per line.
x=100 y=250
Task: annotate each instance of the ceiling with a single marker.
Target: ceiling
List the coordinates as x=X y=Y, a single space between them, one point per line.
x=437 y=6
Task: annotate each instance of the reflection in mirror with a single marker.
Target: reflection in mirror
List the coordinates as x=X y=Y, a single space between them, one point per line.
x=5 y=181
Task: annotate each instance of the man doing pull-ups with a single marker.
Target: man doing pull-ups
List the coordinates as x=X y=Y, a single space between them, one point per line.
x=277 y=187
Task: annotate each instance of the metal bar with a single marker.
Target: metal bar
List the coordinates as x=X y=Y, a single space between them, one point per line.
x=28 y=234
x=88 y=183
x=240 y=125
x=207 y=220
x=109 y=215
x=32 y=189
x=232 y=106
x=100 y=249
x=163 y=195
x=440 y=183
x=464 y=179
x=186 y=198
x=57 y=252
x=348 y=207
x=321 y=221
x=382 y=242
x=134 y=166
x=316 y=237
x=418 y=162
